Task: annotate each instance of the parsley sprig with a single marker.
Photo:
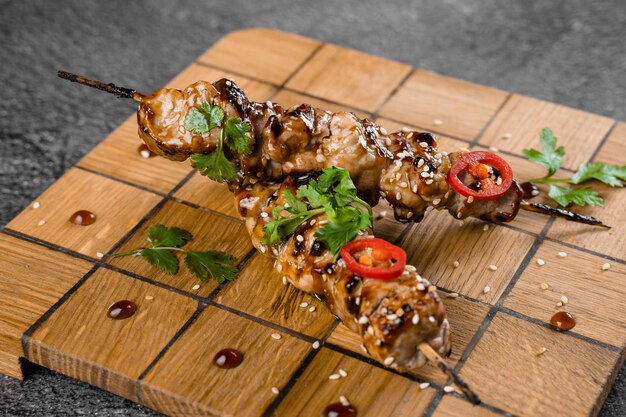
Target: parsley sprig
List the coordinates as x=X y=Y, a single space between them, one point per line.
x=332 y=193
x=551 y=157
x=164 y=242
x=233 y=132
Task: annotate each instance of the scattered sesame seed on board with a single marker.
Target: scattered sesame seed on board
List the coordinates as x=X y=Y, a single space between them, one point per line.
x=455 y=264
x=564 y=299
x=541 y=262
x=493 y=149
x=196 y=287
x=541 y=351
x=275 y=390
x=606 y=266
x=99 y=255
x=388 y=360
x=486 y=289
x=437 y=122
x=485 y=228
x=562 y=254
x=507 y=135
x=41 y=222
x=424 y=385
x=559 y=304
x=492 y=267
x=304 y=304
x=36 y=205
x=276 y=336
x=453 y=295
x=448 y=388
x=316 y=344
x=343 y=373
x=544 y=286
x=334 y=376
x=149 y=297
x=344 y=401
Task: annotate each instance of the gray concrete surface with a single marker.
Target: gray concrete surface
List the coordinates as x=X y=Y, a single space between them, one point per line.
x=571 y=52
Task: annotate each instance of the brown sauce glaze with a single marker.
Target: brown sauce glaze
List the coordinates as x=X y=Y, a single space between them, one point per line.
x=83 y=218
x=562 y=321
x=529 y=189
x=339 y=410
x=228 y=358
x=121 y=310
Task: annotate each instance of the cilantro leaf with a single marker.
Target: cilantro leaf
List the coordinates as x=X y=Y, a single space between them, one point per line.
x=552 y=157
x=336 y=235
x=581 y=196
x=236 y=137
x=213 y=114
x=215 y=165
x=612 y=175
x=159 y=236
x=315 y=198
x=162 y=259
x=278 y=229
x=295 y=206
x=196 y=122
x=212 y=264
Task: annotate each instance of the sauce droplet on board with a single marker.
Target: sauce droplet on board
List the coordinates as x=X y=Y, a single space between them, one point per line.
x=563 y=321
x=529 y=189
x=144 y=151
x=121 y=310
x=339 y=410
x=228 y=358
x=83 y=218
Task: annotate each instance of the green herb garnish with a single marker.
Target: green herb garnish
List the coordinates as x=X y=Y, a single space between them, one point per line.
x=333 y=193
x=551 y=157
x=233 y=132
x=164 y=242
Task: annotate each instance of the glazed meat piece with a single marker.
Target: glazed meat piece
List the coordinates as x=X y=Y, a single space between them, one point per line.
x=393 y=317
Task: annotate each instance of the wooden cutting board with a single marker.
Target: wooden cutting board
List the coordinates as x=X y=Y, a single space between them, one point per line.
x=59 y=279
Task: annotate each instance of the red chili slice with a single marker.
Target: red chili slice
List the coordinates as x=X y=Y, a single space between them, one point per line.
x=471 y=163
x=393 y=253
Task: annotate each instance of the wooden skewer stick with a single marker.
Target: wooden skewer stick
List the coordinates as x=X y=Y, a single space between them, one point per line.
x=441 y=363
x=120 y=92
x=558 y=212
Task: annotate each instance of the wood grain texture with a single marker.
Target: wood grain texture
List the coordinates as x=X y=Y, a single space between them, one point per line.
x=288 y=98
x=79 y=339
x=210 y=232
x=372 y=391
x=118 y=157
x=274 y=301
x=464 y=316
x=595 y=296
x=186 y=383
x=444 y=105
x=118 y=208
x=349 y=77
x=566 y=380
x=455 y=407
x=208 y=194
x=439 y=240
x=264 y=54
x=32 y=279
x=524 y=117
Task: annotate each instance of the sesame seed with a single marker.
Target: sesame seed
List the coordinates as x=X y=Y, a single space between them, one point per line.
x=196 y=287
x=493 y=149
x=426 y=168
x=276 y=336
x=36 y=205
x=492 y=267
x=275 y=390
x=420 y=287
x=436 y=201
x=149 y=297
x=228 y=83
x=429 y=181
x=606 y=266
x=264 y=214
x=424 y=175
x=312 y=309
x=544 y=286
x=344 y=401
x=262 y=248
x=534 y=192
x=334 y=376
x=559 y=304
x=459 y=215
x=453 y=295
x=541 y=262
x=562 y=254
x=424 y=144
x=41 y=223
x=448 y=388
x=279 y=267
x=409 y=215
x=398 y=196
x=431 y=319
x=388 y=141
x=485 y=228
x=455 y=264
x=437 y=122
x=403 y=184
x=391 y=317
x=388 y=360
x=284 y=280
x=541 y=351
x=414 y=188
x=564 y=299
x=363 y=319
x=507 y=135
x=486 y=289
x=100 y=255
x=424 y=385
x=420 y=163
x=470 y=199
x=316 y=344
x=304 y=304
x=415 y=319
x=343 y=373
x=383 y=130
x=320 y=158
x=499 y=181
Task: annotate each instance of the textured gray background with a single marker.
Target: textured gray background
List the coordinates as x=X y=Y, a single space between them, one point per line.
x=571 y=52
